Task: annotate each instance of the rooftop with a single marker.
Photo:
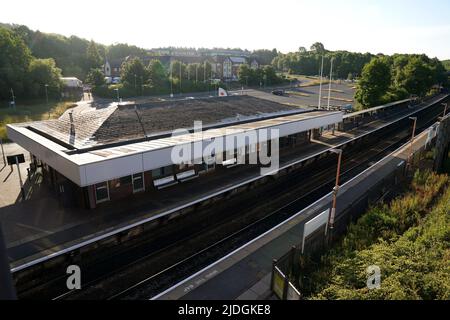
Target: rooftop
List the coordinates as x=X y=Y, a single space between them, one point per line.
x=123 y=123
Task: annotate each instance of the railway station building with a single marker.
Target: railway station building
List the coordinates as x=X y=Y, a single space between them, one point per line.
x=98 y=155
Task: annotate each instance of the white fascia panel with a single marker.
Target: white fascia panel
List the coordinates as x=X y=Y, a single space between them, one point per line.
x=111 y=169
x=45 y=150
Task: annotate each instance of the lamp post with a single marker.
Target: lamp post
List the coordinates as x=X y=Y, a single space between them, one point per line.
x=329 y=85
x=46 y=94
x=412 y=140
x=118 y=96
x=171 y=80
x=13 y=98
x=335 y=190
x=320 y=87
x=3 y=152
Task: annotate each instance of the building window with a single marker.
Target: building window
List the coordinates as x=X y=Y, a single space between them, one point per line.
x=138 y=182
x=101 y=192
x=162 y=172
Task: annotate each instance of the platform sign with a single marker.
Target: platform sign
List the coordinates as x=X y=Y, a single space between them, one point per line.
x=314 y=224
x=278 y=283
x=12 y=159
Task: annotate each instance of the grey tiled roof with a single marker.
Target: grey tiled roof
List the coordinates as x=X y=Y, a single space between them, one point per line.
x=115 y=124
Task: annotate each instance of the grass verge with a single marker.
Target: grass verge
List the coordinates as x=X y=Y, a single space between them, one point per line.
x=408 y=239
x=32 y=111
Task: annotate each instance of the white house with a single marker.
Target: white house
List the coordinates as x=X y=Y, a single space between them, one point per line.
x=72 y=82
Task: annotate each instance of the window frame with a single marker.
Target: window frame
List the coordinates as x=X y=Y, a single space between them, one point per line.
x=143 y=182
x=97 y=201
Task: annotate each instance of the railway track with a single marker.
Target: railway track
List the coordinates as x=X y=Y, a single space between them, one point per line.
x=317 y=184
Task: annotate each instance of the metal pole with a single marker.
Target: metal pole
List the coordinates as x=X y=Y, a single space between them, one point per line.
x=20 y=178
x=412 y=140
x=329 y=86
x=171 y=79
x=46 y=93
x=336 y=189
x=445 y=108
x=3 y=151
x=320 y=88
x=13 y=98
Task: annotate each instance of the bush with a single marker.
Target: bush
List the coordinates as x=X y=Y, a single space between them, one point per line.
x=410 y=245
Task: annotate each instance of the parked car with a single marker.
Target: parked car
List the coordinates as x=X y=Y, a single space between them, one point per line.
x=347 y=108
x=278 y=92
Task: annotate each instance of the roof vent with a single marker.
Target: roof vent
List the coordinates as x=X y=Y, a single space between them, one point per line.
x=72 y=128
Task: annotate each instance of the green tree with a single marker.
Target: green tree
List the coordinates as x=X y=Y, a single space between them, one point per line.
x=42 y=73
x=178 y=70
x=15 y=58
x=318 y=47
x=133 y=73
x=271 y=76
x=95 y=77
x=245 y=75
x=374 y=82
x=93 y=58
x=157 y=74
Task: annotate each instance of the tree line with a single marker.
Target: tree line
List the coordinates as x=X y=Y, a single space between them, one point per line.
x=389 y=78
x=137 y=78
x=22 y=74
x=346 y=65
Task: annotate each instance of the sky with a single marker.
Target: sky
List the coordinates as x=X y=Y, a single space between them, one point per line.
x=395 y=26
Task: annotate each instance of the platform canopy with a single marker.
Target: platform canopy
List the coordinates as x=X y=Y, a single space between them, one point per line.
x=103 y=144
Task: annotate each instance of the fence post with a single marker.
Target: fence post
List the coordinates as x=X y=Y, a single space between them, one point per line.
x=274 y=262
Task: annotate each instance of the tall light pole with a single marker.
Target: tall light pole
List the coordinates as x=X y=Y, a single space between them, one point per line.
x=320 y=87
x=46 y=93
x=196 y=73
x=3 y=152
x=13 y=98
x=329 y=85
x=180 y=76
x=412 y=140
x=445 y=109
x=335 y=190
x=118 y=96
x=171 y=79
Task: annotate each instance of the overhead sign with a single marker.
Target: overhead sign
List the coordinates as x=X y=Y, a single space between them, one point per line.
x=12 y=159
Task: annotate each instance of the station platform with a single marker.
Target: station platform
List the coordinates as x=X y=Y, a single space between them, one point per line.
x=40 y=228
x=245 y=274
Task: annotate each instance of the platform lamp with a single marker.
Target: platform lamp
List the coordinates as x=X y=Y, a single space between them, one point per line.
x=335 y=191
x=412 y=140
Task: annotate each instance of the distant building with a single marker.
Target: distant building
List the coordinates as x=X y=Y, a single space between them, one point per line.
x=224 y=67
x=112 y=68
x=71 y=82
x=254 y=64
x=72 y=87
